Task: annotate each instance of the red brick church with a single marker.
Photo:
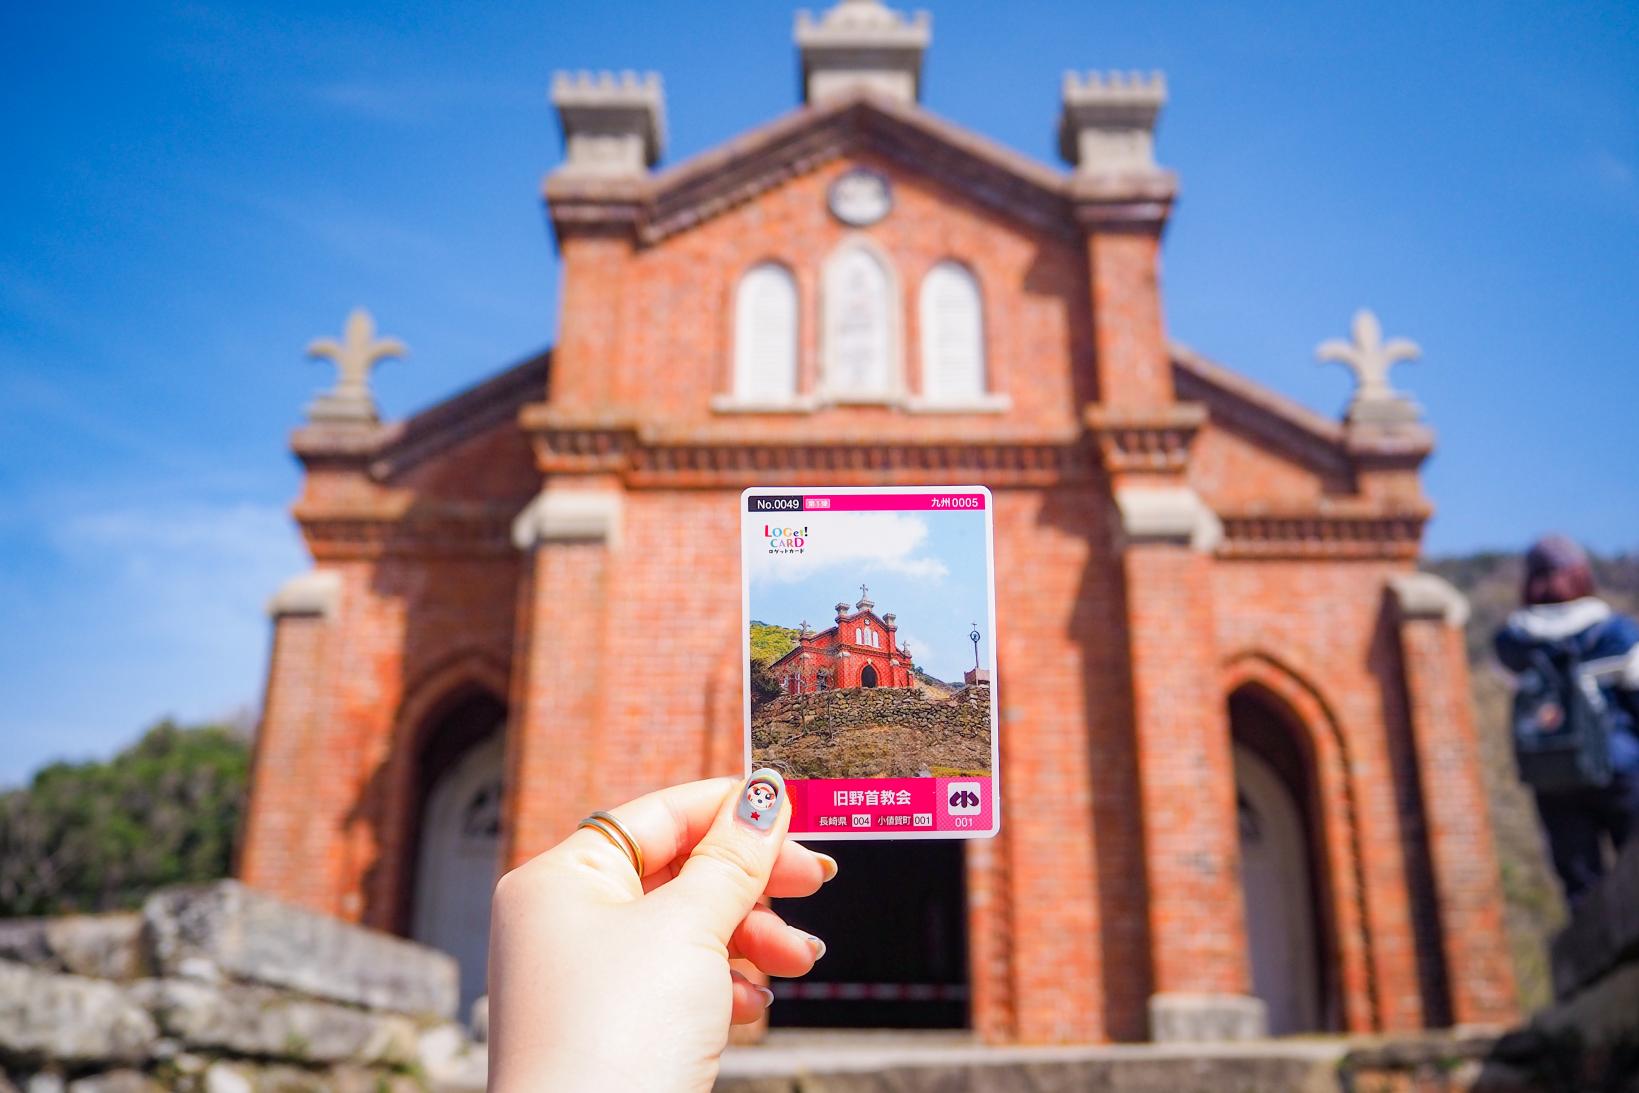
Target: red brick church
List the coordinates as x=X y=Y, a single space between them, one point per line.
x=1241 y=768
x=862 y=650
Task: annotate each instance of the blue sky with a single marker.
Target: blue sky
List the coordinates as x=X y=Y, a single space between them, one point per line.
x=193 y=191
x=928 y=568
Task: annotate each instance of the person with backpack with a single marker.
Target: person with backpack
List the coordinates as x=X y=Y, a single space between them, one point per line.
x=1576 y=710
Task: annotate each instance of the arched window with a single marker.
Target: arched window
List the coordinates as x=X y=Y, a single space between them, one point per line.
x=765 y=335
x=861 y=309
x=952 y=334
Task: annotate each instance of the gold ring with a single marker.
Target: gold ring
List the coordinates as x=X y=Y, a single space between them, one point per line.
x=617 y=833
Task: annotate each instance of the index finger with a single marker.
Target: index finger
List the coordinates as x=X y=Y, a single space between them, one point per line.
x=669 y=822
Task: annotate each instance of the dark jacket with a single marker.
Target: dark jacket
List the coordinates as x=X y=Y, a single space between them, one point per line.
x=1606 y=644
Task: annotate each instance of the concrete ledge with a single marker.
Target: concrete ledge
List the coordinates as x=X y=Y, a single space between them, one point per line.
x=1167 y=514
x=1179 y=1018
x=316 y=593
x=810 y=1061
x=989 y=403
x=1425 y=596
x=731 y=404
x=568 y=515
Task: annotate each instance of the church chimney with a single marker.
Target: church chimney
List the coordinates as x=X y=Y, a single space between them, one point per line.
x=612 y=126
x=1108 y=122
x=862 y=44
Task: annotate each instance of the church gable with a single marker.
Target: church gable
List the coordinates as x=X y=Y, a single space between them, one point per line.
x=933 y=303
x=982 y=171
x=468 y=444
x=1258 y=447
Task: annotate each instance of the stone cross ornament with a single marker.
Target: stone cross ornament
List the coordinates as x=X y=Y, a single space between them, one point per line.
x=354 y=356
x=1370 y=358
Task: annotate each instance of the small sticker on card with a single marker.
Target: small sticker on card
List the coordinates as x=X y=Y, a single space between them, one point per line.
x=869 y=620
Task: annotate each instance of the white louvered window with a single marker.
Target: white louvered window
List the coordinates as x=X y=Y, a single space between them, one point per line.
x=952 y=335
x=765 y=335
x=861 y=344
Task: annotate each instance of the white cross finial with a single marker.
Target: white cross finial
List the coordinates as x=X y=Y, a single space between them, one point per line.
x=354 y=356
x=863 y=592
x=1369 y=357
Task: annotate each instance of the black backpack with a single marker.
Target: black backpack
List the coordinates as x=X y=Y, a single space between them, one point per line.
x=1561 y=724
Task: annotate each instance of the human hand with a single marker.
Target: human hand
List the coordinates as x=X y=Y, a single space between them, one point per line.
x=600 y=981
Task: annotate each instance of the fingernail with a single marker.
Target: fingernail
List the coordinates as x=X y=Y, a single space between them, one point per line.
x=768 y=996
x=828 y=865
x=761 y=799
x=816 y=944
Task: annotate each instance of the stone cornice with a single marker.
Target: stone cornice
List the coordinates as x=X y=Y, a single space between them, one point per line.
x=1429 y=596
x=1375 y=446
x=1337 y=530
x=327 y=444
x=570 y=442
x=1144 y=442
x=1129 y=200
x=388 y=528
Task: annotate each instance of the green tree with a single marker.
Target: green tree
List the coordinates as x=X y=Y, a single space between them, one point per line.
x=764 y=687
x=100 y=836
x=769 y=642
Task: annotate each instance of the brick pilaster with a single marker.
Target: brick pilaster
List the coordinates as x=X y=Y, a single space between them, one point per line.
x=1129 y=341
x=1186 y=780
x=1462 y=851
x=285 y=848
x=1201 y=974
x=553 y=732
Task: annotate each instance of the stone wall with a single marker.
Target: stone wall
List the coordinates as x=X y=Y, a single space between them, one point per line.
x=220 y=988
x=878 y=732
x=1588 y=1039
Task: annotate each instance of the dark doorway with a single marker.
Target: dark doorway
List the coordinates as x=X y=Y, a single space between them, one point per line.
x=895 y=925
x=868 y=676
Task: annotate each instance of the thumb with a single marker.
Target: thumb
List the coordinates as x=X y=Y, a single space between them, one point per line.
x=729 y=867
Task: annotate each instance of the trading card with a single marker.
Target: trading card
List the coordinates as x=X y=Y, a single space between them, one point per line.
x=869 y=616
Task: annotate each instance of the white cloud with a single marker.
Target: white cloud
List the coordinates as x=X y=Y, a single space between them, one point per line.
x=861 y=542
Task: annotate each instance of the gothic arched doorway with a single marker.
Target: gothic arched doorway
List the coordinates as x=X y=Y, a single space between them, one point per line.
x=867 y=678
x=1279 y=866
x=458 y=835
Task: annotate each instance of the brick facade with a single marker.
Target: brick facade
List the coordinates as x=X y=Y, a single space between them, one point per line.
x=1168 y=536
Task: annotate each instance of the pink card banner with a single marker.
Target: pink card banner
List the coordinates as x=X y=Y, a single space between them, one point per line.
x=893 y=502
x=888 y=806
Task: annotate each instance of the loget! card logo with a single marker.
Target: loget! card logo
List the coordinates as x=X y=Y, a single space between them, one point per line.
x=785 y=540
